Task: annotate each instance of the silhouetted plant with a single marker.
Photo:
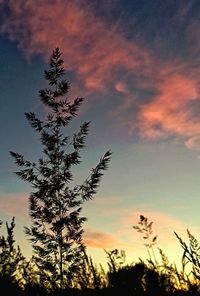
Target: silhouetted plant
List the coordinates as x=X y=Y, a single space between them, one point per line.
x=128 y=280
x=35 y=289
x=168 y=275
x=116 y=259
x=10 y=256
x=155 y=283
x=29 y=275
x=145 y=228
x=171 y=277
x=90 y=276
x=191 y=256
x=11 y=260
x=120 y=275
x=177 y=279
x=55 y=207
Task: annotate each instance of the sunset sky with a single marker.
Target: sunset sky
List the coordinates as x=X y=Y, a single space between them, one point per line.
x=137 y=63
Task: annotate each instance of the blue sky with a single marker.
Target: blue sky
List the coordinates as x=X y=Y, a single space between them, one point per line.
x=137 y=63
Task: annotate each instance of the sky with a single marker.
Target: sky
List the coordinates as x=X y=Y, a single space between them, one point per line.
x=137 y=64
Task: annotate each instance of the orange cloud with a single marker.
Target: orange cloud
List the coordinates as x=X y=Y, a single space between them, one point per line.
x=102 y=240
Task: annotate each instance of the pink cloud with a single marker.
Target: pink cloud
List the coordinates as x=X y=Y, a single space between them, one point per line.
x=94 y=51
x=170 y=111
x=14 y=205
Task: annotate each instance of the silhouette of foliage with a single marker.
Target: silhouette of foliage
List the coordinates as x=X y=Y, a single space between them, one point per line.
x=116 y=259
x=90 y=276
x=11 y=261
x=191 y=256
x=145 y=228
x=55 y=207
x=10 y=257
x=136 y=279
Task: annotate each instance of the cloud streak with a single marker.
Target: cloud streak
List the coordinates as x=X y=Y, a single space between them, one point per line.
x=100 y=240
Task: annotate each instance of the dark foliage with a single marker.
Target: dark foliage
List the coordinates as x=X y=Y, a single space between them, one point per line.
x=11 y=259
x=138 y=279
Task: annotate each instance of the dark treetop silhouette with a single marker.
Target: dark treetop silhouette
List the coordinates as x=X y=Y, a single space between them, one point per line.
x=55 y=207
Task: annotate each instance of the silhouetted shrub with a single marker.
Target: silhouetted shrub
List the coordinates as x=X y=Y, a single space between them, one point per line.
x=9 y=286
x=128 y=279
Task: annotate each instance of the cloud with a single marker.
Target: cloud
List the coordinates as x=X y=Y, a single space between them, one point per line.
x=14 y=205
x=102 y=240
x=171 y=112
x=156 y=96
x=92 y=49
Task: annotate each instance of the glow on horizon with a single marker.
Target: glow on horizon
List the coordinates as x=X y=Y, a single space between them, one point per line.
x=120 y=234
